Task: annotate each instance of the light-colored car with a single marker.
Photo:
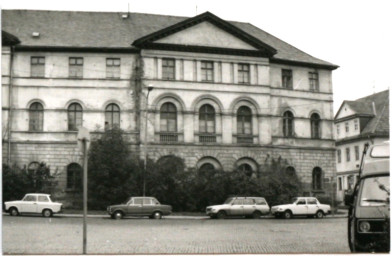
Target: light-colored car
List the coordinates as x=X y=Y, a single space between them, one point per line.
x=301 y=206
x=33 y=203
x=239 y=206
x=139 y=206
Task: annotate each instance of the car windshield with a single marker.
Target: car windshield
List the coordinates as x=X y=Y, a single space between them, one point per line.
x=375 y=191
x=127 y=201
x=228 y=200
x=294 y=200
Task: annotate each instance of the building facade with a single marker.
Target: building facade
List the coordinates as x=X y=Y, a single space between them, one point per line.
x=218 y=94
x=359 y=122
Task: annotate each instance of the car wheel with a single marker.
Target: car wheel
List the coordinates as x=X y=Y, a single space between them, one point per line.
x=157 y=215
x=47 y=213
x=117 y=215
x=288 y=215
x=319 y=215
x=256 y=215
x=221 y=215
x=14 y=211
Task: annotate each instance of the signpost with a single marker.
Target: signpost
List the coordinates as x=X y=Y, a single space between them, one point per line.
x=84 y=143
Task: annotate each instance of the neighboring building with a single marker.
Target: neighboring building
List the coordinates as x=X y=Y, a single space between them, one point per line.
x=226 y=94
x=358 y=122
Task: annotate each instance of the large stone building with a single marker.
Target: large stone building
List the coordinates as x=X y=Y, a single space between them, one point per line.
x=225 y=94
x=359 y=122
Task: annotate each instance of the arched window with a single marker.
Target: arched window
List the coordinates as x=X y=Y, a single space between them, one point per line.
x=207 y=119
x=32 y=168
x=246 y=168
x=112 y=116
x=290 y=171
x=317 y=179
x=168 y=115
x=75 y=116
x=244 y=125
x=74 y=176
x=288 y=119
x=315 y=126
x=36 y=117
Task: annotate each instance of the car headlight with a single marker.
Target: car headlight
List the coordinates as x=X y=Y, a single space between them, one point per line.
x=364 y=226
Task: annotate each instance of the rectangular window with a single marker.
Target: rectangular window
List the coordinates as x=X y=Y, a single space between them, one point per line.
x=113 y=67
x=207 y=71
x=76 y=67
x=243 y=73
x=347 y=127
x=37 y=66
x=313 y=81
x=340 y=184
x=356 y=153
x=348 y=154
x=168 y=69
x=356 y=125
x=337 y=129
x=287 y=78
x=339 y=152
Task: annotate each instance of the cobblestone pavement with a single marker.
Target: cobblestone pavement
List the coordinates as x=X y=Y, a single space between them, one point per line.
x=60 y=235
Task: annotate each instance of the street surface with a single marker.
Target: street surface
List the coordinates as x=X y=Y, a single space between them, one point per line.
x=61 y=235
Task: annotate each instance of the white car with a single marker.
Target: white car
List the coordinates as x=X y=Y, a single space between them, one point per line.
x=239 y=206
x=301 y=206
x=33 y=203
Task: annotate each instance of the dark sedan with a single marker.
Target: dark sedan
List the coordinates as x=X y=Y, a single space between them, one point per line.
x=139 y=206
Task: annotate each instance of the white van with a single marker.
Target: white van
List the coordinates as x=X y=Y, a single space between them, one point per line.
x=368 y=220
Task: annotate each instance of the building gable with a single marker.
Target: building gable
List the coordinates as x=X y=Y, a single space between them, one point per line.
x=344 y=111
x=206 y=34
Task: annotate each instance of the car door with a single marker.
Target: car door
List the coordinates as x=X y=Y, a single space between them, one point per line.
x=300 y=208
x=236 y=207
x=29 y=204
x=43 y=202
x=249 y=206
x=312 y=205
x=135 y=206
x=147 y=207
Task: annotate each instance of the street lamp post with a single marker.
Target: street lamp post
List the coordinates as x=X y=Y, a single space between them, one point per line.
x=149 y=89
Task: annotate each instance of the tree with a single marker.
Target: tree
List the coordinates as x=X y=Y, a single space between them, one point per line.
x=109 y=170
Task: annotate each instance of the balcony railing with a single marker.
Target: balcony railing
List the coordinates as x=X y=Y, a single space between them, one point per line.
x=248 y=139
x=168 y=137
x=207 y=138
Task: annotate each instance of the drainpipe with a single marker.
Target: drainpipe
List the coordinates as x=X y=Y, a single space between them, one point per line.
x=10 y=104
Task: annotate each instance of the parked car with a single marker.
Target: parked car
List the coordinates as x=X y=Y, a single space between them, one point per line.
x=139 y=206
x=33 y=204
x=239 y=206
x=368 y=222
x=301 y=206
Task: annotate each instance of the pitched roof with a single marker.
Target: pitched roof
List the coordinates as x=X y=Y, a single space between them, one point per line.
x=8 y=39
x=111 y=30
x=379 y=122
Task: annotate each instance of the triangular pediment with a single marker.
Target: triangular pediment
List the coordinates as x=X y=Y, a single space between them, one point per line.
x=205 y=33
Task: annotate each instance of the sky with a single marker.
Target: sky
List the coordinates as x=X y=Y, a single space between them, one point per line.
x=353 y=34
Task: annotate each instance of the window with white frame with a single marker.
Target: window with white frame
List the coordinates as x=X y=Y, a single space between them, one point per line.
x=37 y=67
x=207 y=71
x=243 y=73
x=113 y=67
x=76 y=67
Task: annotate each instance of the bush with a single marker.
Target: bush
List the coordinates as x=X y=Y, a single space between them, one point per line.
x=18 y=181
